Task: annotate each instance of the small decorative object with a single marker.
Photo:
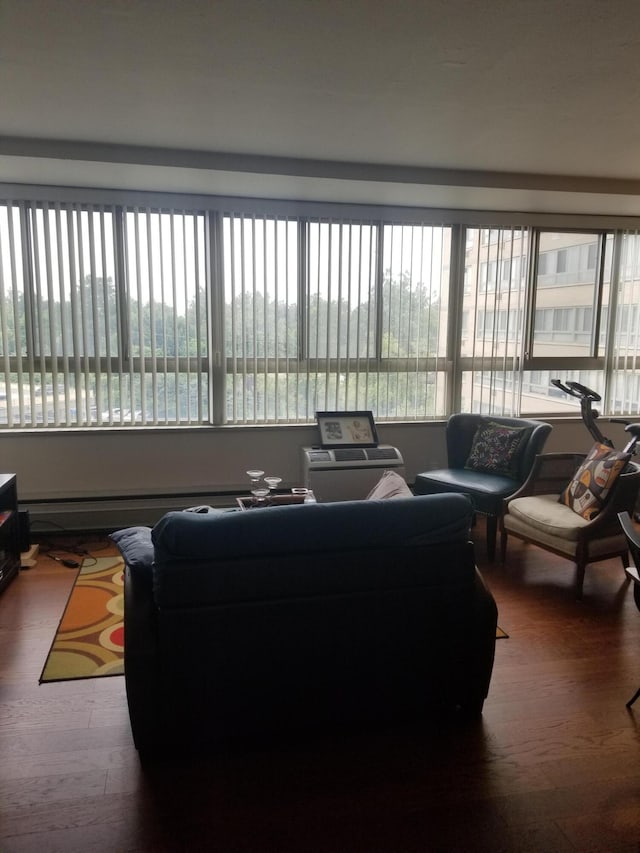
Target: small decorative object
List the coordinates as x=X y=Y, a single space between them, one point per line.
x=299 y=490
x=260 y=496
x=255 y=475
x=273 y=482
x=310 y=498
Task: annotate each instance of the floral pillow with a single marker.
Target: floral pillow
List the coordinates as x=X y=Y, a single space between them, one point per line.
x=495 y=449
x=592 y=482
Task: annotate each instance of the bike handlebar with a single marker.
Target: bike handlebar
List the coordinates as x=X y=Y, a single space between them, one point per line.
x=589 y=414
x=575 y=389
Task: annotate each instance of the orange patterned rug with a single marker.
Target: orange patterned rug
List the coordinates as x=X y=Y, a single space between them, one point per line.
x=89 y=641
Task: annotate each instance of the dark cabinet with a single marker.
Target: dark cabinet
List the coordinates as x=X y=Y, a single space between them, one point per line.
x=9 y=530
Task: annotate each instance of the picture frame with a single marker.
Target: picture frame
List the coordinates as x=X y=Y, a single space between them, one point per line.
x=347 y=429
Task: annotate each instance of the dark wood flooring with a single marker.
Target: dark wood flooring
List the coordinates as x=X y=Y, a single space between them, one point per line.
x=554 y=764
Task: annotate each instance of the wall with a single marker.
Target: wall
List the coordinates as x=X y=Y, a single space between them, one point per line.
x=109 y=479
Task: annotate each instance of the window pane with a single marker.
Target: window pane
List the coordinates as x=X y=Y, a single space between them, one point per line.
x=262 y=325
x=494 y=311
x=539 y=395
x=567 y=291
x=84 y=344
x=624 y=397
x=165 y=345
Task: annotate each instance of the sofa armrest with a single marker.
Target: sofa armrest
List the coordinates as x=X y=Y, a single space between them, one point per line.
x=141 y=663
x=485 y=620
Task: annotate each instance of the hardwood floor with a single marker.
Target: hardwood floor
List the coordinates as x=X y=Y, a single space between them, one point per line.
x=554 y=764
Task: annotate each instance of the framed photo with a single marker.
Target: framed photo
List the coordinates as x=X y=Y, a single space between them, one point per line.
x=347 y=429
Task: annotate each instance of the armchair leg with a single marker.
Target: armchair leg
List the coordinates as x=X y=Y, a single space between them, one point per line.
x=580 y=571
x=503 y=545
x=635 y=696
x=492 y=530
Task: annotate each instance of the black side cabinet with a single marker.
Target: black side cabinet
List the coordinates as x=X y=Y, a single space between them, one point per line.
x=9 y=530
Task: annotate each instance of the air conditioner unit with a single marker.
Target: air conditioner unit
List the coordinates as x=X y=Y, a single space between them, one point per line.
x=344 y=474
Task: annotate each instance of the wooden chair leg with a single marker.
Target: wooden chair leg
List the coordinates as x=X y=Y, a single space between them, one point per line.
x=580 y=572
x=492 y=530
x=635 y=696
x=503 y=545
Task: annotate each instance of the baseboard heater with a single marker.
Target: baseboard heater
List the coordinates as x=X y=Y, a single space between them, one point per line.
x=344 y=474
x=99 y=514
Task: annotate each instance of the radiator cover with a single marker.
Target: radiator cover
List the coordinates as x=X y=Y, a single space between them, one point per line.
x=344 y=474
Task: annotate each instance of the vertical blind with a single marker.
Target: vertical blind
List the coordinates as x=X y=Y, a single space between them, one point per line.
x=109 y=314
x=624 y=396
x=334 y=315
x=494 y=304
x=103 y=315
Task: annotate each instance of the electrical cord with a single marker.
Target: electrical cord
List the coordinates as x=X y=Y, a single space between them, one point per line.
x=70 y=564
x=66 y=553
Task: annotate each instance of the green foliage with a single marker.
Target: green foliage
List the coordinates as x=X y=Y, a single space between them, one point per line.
x=90 y=327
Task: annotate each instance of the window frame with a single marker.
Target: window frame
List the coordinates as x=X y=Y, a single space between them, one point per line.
x=213 y=368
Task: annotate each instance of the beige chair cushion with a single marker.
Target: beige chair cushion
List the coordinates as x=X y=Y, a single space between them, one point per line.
x=541 y=519
x=547 y=515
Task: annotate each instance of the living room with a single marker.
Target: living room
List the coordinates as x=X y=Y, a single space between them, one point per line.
x=485 y=135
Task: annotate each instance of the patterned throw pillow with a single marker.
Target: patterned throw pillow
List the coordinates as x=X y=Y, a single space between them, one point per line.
x=495 y=449
x=592 y=482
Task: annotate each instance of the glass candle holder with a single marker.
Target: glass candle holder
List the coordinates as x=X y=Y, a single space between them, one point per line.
x=259 y=496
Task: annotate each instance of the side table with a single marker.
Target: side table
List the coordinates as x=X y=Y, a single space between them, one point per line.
x=276 y=500
x=9 y=530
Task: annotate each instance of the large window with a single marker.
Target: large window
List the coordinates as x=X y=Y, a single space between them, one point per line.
x=151 y=314
x=326 y=314
x=104 y=316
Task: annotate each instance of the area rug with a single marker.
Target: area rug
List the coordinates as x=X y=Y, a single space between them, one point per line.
x=89 y=641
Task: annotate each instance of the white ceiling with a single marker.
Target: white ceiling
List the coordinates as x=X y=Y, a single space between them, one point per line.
x=531 y=104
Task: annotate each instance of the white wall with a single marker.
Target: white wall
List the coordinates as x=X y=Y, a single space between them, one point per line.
x=83 y=468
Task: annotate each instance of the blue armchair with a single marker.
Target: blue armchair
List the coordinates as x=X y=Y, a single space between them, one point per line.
x=486 y=463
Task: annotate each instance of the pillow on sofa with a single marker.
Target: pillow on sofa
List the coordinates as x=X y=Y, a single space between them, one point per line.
x=495 y=449
x=390 y=485
x=136 y=547
x=592 y=482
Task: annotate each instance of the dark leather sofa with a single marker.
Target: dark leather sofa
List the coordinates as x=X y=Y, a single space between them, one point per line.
x=299 y=618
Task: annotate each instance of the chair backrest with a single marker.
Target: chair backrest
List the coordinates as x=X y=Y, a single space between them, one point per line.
x=633 y=537
x=461 y=428
x=623 y=495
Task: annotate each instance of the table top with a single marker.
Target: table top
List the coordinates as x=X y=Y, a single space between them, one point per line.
x=276 y=500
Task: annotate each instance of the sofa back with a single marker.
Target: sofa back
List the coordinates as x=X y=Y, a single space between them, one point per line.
x=290 y=551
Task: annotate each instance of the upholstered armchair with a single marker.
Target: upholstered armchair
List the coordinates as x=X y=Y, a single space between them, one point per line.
x=486 y=462
x=536 y=513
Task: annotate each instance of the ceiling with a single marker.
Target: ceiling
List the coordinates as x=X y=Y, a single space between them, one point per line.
x=504 y=104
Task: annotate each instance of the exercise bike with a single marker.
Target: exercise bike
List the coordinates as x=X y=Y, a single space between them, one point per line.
x=590 y=415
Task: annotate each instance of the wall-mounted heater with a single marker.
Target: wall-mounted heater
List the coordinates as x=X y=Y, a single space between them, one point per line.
x=347 y=473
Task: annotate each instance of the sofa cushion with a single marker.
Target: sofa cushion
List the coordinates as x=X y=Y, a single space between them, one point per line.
x=136 y=547
x=390 y=485
x=495 y=448
x=591 y=484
